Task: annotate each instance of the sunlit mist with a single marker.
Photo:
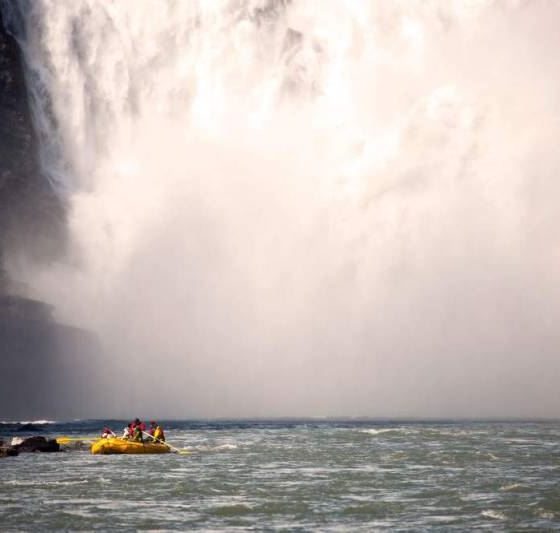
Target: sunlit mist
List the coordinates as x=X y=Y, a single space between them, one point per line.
x=315 y=208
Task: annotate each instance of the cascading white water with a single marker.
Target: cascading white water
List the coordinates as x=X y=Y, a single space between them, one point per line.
x=306 y=207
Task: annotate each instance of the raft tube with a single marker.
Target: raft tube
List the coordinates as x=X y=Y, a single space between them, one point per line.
x=119 y=446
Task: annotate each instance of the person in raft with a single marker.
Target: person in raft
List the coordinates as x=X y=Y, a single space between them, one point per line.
x=127 y=432
x=138 y=429
x=137 y=434
x=139 y=424
x=107 y=433
x=156 y=431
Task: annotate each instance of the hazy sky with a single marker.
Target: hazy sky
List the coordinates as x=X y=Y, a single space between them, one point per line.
x=329 y=208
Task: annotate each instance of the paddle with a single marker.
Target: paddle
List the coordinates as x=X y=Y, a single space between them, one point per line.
x=176 y=450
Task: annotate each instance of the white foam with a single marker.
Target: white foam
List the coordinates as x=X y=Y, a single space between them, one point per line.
x=377 y=431
x=511 y=487
x=210 y=448
x=25 y=422
x=225 y=447
x=495 y=515
x=16 y=482
x=490 y=455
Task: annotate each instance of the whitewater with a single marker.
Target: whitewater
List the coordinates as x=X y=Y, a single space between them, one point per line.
x=287 y=475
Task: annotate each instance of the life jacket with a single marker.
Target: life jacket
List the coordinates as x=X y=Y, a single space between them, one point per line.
x=159 y=434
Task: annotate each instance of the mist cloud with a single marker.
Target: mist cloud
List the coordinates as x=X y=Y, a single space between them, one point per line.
x=281 y=209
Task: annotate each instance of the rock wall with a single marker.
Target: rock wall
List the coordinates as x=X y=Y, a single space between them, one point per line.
x=47 y=370
x=32 y=216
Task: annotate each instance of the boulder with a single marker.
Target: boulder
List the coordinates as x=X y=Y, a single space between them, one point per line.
x=37 y=444
x=6 y=450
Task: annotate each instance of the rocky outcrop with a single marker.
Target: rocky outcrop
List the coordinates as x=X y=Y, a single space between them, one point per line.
x=37 y=444
x=6 y=450
x=46 y=369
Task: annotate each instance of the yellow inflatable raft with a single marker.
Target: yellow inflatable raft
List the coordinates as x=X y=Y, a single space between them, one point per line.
x=118 y=445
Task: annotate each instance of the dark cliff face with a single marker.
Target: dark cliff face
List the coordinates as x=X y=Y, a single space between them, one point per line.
x=47 y=370
x=32 y=216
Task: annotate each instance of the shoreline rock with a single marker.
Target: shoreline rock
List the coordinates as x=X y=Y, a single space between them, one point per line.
x=6 y=450
x=36 y=444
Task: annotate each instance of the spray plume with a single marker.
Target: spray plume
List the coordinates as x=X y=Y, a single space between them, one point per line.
x=304 y=207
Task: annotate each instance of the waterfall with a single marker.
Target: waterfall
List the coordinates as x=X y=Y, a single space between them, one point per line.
x=268 y=194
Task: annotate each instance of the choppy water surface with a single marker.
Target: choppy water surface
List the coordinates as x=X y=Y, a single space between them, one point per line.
x=296 y=475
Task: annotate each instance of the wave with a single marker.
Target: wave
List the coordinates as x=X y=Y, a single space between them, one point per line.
x=30 y=483
x=26 y=422
x=379 y=431
x=225 y=447
x=495 y=515
x=206 y=448
x=512 y=487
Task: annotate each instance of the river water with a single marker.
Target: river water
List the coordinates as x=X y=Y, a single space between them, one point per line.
x=295 y=475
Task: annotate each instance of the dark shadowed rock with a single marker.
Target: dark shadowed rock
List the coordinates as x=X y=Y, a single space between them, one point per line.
x=8 y=451
x=37 y=444
x=47 y=370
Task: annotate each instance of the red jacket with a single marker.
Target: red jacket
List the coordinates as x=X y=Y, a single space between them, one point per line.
x=141 y=426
